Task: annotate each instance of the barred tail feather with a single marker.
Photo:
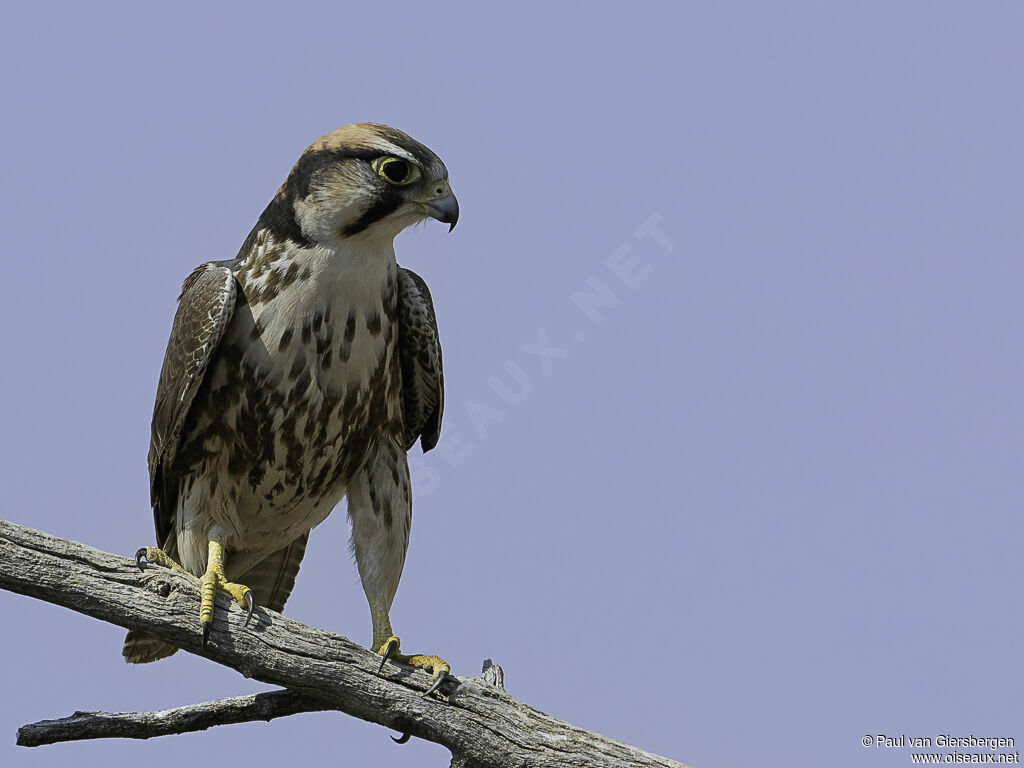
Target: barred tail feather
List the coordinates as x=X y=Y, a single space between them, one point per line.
x=140 y=648
x=271 y=580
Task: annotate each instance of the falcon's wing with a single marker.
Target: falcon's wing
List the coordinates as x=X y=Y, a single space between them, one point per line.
x=205 y=306
x=419 y=351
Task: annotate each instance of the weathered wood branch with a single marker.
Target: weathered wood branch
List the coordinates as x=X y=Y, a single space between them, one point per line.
x=480 y=723
x=145 y=725
x=265 y=706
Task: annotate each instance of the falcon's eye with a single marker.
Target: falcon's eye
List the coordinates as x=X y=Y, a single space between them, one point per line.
x=396 y=171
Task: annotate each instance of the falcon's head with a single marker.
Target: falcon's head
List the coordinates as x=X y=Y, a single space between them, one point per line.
x=362 y=181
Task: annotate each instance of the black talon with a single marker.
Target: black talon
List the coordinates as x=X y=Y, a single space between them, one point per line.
x=402 y=739
x=140 y=559
x=389 y=651
x=441 y=677
x=250 y=603
x=206 y=632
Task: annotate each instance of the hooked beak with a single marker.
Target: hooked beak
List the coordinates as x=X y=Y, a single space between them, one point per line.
x=445 y=210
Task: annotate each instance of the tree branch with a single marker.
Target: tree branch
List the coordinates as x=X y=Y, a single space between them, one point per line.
x=482 y=725
x=82 y=726
x=145 y=725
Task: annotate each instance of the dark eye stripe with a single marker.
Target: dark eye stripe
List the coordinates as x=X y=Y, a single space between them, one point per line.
x=384 y=207
x=297 y=185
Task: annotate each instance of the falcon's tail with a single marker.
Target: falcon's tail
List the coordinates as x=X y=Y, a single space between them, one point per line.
x=140 y=648
x=271 y=581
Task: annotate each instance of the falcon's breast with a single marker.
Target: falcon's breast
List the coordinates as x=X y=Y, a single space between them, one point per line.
x=308 y=376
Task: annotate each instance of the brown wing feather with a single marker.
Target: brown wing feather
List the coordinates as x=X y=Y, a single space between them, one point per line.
x=419 y=352
x=205 y=306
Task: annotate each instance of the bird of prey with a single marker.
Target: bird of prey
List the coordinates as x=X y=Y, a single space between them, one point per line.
x=297 y=373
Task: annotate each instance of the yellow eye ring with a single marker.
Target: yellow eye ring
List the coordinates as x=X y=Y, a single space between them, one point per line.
x=396 y=171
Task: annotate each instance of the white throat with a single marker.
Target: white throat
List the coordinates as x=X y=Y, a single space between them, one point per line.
x=329 y=284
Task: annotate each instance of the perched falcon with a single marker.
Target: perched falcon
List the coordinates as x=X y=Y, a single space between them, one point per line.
x=300 y=372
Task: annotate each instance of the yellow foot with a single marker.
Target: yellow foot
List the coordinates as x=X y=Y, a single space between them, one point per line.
x=435 y=664
x=215 y=579
x=157 y=557
x=210 y=582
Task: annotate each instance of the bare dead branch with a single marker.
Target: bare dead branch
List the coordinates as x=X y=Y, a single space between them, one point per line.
x=479 y=723
x=82 y=726
x=145 y=725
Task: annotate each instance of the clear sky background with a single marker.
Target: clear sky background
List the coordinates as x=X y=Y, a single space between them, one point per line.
x=761 y=501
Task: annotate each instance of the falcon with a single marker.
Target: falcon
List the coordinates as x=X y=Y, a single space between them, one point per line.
x=300 y=372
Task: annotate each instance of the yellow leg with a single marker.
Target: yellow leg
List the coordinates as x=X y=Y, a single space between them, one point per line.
x=210 y=582
x=388 y=645
x=215 y=579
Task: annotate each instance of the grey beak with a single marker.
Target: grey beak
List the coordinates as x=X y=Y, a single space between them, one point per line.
x=445 y=210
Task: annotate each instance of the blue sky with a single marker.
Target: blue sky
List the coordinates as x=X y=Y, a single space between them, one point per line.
x=732 y=451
